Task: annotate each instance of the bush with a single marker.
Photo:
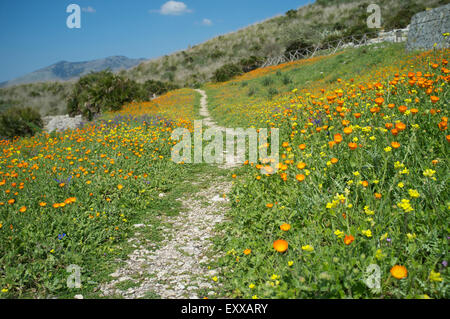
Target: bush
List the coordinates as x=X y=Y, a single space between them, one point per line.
x=227 y=72
x=151 y=87
x=251 y=63
x=102 y=91
x=18 y=121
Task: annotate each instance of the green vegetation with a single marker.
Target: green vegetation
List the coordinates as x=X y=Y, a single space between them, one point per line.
x=18 y=121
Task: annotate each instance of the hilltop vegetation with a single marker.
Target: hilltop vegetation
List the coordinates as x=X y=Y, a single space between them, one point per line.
x=317 y=23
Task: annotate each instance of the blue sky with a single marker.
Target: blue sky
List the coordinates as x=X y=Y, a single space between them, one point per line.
x=35 y=35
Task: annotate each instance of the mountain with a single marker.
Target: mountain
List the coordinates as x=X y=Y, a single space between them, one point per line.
x=64 y=70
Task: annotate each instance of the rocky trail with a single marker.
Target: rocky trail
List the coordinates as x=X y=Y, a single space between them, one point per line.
x=178 y=267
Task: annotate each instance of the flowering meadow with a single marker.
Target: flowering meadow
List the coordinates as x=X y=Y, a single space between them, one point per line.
x=71 y=198
x=359 y=207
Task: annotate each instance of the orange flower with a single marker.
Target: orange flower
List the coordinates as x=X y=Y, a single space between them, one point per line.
x=280 y=245
x=348 y=130
x=391 y=105
x=448 y=138
x=377 y=195
x=388 y=125
x=365 y=183
x=337 y=138
x=414 y=111
x=394 y=131
x=23 y=209
x=300 y=177
x=302 y=146
x=42 y=204
x=400 y=126
x=379 y=101
x=442 y=125
x=357 y=115
x=119 y=187
x=402 y=108
x=11 y=201
x=334 y=160
x=301 y=165
x=395 y=144
x=56 y=205
x=434 y=99
x=399 y=272
x=352 y=146
x=348 y=239
x=247 y=251
x=269 y=205
x=285 y=227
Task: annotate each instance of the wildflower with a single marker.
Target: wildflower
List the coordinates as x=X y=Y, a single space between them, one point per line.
x=435 y=276
x=348 y=239
x=280 y=245
x=290 y=263
x=399 y=272
x=388 y=149
x=401 y=185
x=285 y=227
x=379 y=254
x=395 y=145
x=383 y=237
x=300 y=177
x=352 y=146
x=215 y=278
x=23 y=209
x=405 y=205
x=429 y=173
x=251 y=286
x=367 y=233
x=411 y=236
x=4 y=290
x=339 y=233
x=413 y=193
x=308 y=248
x=42 y=204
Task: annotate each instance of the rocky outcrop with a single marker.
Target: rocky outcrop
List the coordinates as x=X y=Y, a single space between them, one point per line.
x=61 y=122
x=428 y=29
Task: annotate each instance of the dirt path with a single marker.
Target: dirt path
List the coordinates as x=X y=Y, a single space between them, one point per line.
x=178 y=269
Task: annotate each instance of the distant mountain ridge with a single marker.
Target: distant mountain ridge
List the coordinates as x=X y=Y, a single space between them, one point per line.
x=65 y=71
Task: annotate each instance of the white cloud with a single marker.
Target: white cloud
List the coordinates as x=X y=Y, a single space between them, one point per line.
x=88 y=9
x=174 y=8
x=207 y=22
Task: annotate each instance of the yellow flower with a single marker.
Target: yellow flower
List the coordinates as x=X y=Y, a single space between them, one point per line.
x=290 y=263
x=411 y=236
x=384 y=237
x=308 y=248
x=4 y=290
x=405 y=205
x=367 y=233
x=52 y=251
x=429 y=173
x=413 y=193
x=339 y=233
x=379 y=254
x=251 y=286
x=388 y=149
x=255 y=297
x=435 y=276
x=215 y=278
x=401 y=185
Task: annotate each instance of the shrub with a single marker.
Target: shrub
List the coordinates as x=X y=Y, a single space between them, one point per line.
x=227 y=72
x=151 y=87
x=251 y=63
x=18 y=121
x=102 y=91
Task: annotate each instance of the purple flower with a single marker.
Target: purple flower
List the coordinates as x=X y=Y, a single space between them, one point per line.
x=445 y=263
x=388 y=240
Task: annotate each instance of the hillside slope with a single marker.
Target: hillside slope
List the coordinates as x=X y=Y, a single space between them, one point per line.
x=322 y=21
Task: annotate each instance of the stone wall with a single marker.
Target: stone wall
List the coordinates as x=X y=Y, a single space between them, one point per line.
x=429 y=28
